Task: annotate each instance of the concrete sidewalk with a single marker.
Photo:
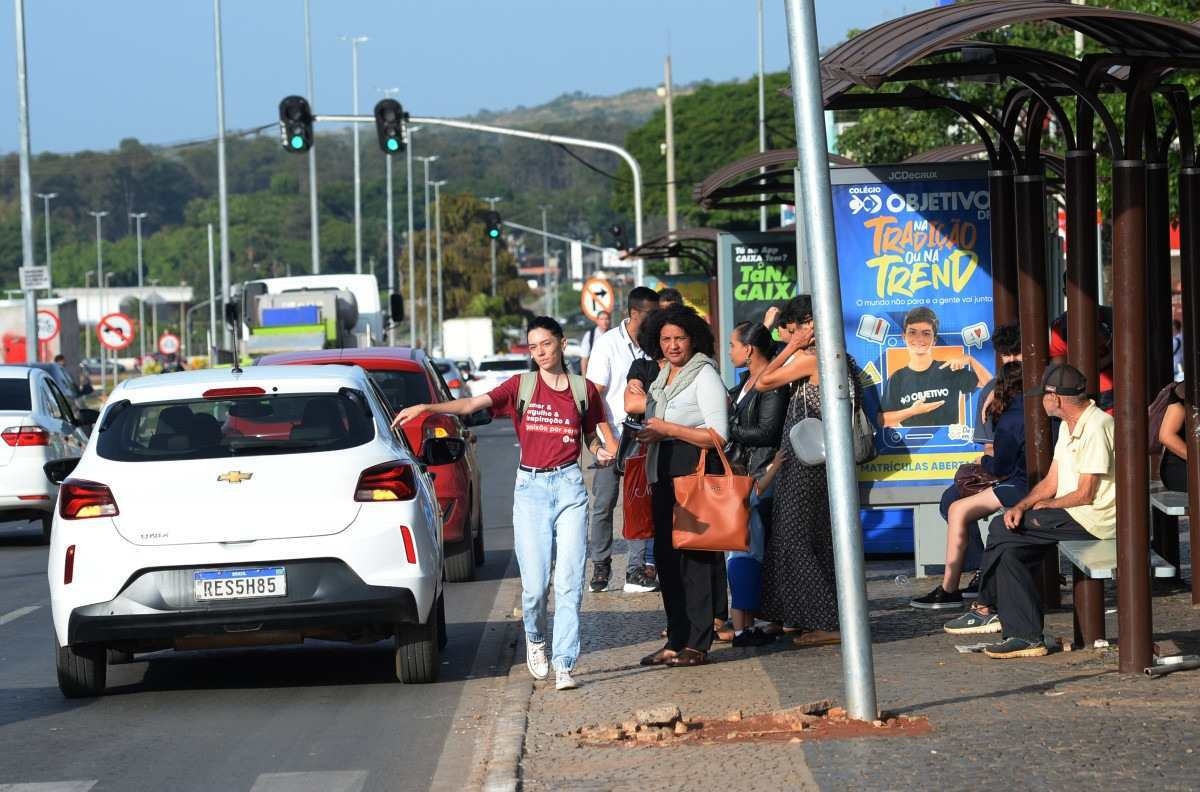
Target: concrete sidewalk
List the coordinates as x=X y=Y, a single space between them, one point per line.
x=1067 y=719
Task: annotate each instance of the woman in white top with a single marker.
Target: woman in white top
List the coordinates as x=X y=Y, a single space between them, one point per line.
x=686 y=400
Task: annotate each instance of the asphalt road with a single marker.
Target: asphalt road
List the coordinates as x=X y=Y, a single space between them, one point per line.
x=323 y=716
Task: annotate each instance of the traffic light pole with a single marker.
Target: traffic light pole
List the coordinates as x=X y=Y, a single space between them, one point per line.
x=547 y=234
x=31 y=334
x=521 y=133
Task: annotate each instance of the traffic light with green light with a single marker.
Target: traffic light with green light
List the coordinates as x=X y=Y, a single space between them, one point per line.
x=296 y=124
x=389 y=125
x=493 y=223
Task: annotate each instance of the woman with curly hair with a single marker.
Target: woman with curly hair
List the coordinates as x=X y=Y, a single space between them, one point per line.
x=684 y=402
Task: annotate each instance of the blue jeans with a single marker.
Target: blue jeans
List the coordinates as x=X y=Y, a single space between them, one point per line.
x=550 y=522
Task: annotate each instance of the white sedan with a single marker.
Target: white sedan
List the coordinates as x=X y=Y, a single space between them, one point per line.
x=494 y=370
x=37 y=424
x=223 y=508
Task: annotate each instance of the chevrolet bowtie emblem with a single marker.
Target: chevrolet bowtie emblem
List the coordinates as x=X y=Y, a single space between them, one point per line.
x=235 y=477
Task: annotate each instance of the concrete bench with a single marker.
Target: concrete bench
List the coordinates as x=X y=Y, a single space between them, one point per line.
x=1094 y=561
x=1166 y=507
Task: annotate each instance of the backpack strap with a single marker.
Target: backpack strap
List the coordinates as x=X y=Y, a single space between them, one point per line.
x=525 y=389
x=579 y=395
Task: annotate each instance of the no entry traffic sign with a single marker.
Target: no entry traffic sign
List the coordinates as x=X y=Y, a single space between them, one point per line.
x=48 y=326
x=168 y=343
x=115 y=331
x=597 y=296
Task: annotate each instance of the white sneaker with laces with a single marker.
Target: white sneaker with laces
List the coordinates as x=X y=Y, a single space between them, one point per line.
x=564 y=681
x=535 y=659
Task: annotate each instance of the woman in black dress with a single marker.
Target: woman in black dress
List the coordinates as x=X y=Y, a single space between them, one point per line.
x=799 y=587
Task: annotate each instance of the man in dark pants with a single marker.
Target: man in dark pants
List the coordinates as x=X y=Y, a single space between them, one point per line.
x=1076 y=500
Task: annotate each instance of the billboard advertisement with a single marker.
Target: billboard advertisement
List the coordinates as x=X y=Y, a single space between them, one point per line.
x=755 y=270
x=913 y=247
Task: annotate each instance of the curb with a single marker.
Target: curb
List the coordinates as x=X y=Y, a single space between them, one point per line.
x=508 y=736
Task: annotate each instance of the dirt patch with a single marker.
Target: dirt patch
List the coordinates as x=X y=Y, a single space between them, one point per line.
x=665 y=725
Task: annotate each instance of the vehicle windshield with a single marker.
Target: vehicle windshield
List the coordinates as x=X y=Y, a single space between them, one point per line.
x=517 y=364
x=402 y=388
x=14 y=394
x=245 y=426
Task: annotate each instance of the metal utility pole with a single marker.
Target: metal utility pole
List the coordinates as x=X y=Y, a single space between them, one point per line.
x=546 y=262
x=137 y=217
x=672 y=211
x=312 y=151
x=441 y=298
x=762 y=112
x=408 y=243
x=354 y=42
x=212 y=300
x=100 y=285
x=87 y=334
x=31 y=335
x=428 y=260
x=815 y=214
x=46 y=198
x=222 y=186
x=391 y=234
x=492 y=203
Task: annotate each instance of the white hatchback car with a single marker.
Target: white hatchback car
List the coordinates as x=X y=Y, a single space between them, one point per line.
x=494 y=370
x=217 y=509
x=37 y=424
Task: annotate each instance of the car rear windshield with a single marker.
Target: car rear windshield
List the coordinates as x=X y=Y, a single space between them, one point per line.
x=229 y=427
x=403 y=388
x=520 y=364
x=14 y=394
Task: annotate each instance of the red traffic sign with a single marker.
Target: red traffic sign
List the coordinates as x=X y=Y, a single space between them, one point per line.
x=48 y=326
x=168 y=343
x=115 y=331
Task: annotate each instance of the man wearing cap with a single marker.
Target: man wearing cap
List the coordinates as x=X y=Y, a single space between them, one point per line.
x=1076 y=500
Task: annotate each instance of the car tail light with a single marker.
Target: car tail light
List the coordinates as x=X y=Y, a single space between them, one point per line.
x=410 y=550
x=80 y=500
x=26 y=436
x=232 y=393
x=69 y=566
x=440 y=426
x=391 y=481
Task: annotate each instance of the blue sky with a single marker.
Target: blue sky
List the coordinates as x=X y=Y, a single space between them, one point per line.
x=100 y=71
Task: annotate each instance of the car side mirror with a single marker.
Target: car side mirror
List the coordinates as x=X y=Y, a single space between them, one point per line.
x=396 y=307
x=478 y=418
x=442 y=450
x=58 y=470
x=86 y=416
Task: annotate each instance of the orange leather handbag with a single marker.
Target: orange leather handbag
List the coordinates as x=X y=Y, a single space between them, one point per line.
x=712 y=512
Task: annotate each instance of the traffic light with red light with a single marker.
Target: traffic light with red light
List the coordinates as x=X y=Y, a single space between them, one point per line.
x=389 y=126
x=296 y=124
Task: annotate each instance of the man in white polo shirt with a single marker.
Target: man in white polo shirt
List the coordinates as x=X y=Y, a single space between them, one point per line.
x=608 y=369
x=1076 y=500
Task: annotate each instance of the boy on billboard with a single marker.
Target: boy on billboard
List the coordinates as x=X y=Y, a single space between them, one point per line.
x=925 y=392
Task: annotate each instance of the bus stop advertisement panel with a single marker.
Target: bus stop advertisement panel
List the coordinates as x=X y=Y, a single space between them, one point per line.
x=754 y=272
x=914 y=241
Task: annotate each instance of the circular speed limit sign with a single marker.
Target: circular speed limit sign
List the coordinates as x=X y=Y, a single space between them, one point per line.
x=115 y=331
x=48 y=326
x=168 y=343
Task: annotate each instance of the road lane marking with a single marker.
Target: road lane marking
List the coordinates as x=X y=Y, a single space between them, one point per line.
x=331 y=781
x=10 y=617
x=50 y=786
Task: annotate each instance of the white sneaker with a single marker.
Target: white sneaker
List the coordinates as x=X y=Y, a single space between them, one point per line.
x=564 y=681
x=535 y=659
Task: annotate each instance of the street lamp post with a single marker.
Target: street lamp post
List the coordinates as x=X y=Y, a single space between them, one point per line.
x=46 y=198
x=669 y=105
x=546 y=263
x=358 y=257
x=437 y=203
x=408 y=242
x=87 y=335
x=312 y=151
x=222 y=186
x=138 y=217
x=492 y=203
x=428 y=258
x=23 y=177
x=100 y=285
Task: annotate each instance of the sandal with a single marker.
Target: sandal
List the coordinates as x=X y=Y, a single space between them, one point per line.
x=817 y=638
x=663 y=656
x=723 y=632
x=688 y=658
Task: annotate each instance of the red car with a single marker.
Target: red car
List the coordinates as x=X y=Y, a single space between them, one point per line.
x=405 y=377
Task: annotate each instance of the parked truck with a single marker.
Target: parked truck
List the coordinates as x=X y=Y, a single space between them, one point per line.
x=310 y=312
x=468 y=339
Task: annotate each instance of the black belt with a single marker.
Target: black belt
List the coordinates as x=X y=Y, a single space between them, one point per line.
x=554 y=469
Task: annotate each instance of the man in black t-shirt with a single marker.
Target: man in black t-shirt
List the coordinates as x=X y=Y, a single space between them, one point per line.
x=925 y=392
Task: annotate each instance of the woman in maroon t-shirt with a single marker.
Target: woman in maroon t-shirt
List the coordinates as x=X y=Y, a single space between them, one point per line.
x=550 y=503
